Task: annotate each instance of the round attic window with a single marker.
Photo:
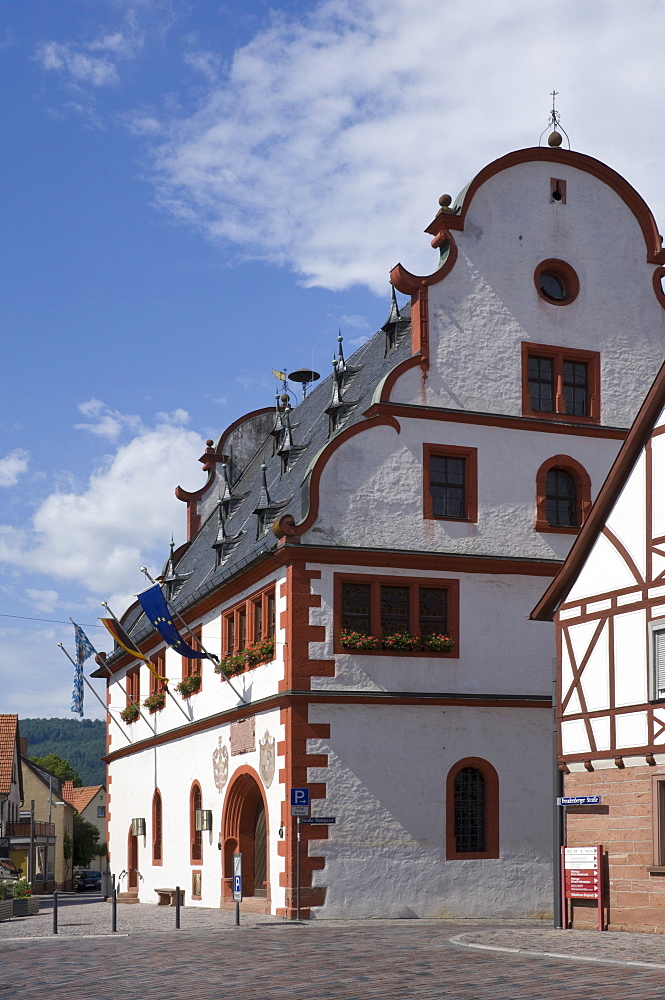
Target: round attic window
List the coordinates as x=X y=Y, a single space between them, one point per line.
x=556 y=282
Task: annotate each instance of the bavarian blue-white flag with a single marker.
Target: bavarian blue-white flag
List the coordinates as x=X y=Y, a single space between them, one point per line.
x=153 y=603
x=84 y=649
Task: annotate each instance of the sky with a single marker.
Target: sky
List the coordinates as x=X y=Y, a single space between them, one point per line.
x=194 y=194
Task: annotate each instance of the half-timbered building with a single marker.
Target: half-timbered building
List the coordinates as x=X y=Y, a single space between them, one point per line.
x=362 y=564
x=609 y=607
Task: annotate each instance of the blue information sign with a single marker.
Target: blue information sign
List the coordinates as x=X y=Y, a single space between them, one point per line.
x=578 y=800
x=300 y=796
x=318 y=820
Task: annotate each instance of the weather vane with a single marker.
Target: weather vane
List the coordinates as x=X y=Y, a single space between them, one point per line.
x=555 y=138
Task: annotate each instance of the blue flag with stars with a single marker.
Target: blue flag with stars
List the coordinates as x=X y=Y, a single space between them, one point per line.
x=153 y=603
x=84 y=649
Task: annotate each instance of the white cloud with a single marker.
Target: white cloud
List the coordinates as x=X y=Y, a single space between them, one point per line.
x=100 y=535
x=333 y=134
x=206 y=63
x=106 y=422
x=94 y=62
x=12 y=466
x=43 y=600
x=356 y=321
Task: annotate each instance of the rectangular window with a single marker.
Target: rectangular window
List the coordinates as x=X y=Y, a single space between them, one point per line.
x=133 y=685
x=384 y=607
x=159 y=662
x=193 y=665
x=450 y=486
x=658 y=820
x=249 y=622
x=101 y=812
x=561 y=382
x=657 y=637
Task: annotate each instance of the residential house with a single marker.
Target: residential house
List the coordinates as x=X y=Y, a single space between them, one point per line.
x=11 y=780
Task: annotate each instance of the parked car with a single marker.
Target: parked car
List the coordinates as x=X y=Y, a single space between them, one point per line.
x=88 y=881
x=8 y=871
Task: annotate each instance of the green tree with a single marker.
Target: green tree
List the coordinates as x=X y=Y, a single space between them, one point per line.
x=86 y=837
x=60 y=767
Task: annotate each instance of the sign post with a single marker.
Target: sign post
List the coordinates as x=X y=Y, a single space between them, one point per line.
x=299 y=807
x=582 y=878
x=237 y=884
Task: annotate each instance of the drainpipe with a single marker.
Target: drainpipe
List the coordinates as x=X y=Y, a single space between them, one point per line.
x=31 y=853
x=557 y=830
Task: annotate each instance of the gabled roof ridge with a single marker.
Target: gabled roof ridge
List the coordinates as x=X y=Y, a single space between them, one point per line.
x=637 y=437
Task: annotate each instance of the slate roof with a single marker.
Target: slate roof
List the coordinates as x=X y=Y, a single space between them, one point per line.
x=80 y=797
x=310 y=427
x=8 y=746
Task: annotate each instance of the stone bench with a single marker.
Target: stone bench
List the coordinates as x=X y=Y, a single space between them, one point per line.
x=167 y=897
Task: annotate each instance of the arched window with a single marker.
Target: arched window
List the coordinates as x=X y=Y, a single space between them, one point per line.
x=195 y=836
x=563 y=495
x=157 y=828
x=472 y=810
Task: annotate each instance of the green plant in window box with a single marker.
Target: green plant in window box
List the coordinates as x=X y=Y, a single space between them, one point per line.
x=231 y=664
x=438 y=642
x=357 y=640
x=21 y=889
x=130 y=714
x=155 y=701
x=189 y=685
x=401 y=641
x=261 y=651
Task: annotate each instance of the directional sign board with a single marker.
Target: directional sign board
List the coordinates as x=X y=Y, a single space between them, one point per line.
x=318 y=820
x=582 y=878
x=578 y=800
x=237 y=878
x=300 y=801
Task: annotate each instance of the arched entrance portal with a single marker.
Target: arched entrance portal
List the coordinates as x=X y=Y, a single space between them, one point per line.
x=245 y=829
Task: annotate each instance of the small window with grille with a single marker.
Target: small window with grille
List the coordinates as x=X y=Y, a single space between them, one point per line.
x=472 y=810
x=657 y=630
x=450 y=490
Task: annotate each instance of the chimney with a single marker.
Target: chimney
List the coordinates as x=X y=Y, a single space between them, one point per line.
x=23 y=745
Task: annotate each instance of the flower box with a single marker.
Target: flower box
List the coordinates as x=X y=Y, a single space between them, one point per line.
x=261 y=651
x=130 y=714
x=401 y=641
x=6 y=909
x=155 y=702
x=28 y=906
x=189 y=685
x=357 y=640
x=231 y=664
x=438 y=642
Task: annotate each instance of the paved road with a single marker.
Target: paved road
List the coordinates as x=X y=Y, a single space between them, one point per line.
x=393 y=960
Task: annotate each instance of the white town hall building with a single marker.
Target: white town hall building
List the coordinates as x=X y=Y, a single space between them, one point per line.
x=429 y=488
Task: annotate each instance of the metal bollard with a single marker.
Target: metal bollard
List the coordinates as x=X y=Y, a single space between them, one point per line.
x=237 y=913
x=114 y=910
x=55 y=912
x=177 y=907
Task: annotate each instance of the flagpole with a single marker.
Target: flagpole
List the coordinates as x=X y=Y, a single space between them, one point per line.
x=89 y=685
x=210 y=656
x=136 y=705
x=166 y=686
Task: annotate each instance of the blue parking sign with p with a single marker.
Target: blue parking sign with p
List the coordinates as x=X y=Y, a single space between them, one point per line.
x=300 y=796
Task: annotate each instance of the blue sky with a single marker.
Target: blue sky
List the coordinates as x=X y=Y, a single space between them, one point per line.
x=196 y=193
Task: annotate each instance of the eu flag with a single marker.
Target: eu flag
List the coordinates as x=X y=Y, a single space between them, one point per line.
x=153 y=603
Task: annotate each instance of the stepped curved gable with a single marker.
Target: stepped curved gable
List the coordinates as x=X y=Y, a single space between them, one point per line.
x=362 y=564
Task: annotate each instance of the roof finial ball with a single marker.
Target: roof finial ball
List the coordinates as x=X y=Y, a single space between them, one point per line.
x=445 y=201
x=555 y=139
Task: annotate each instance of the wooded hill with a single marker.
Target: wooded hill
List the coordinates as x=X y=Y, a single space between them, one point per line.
x=81 y=743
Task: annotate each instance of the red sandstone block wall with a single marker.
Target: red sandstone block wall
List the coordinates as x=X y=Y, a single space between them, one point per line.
x=624 y=824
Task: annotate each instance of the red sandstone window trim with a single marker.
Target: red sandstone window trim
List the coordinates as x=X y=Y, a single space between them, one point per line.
x=582 y=482
x=195 y=836
x=558 y=355
x=470 y=458
x=133 y=686
x=491 y=810
x=561 y=270
x=157 y=827
x=158 y=686
x=414 y=583
x=249 y=621
x=192 y=665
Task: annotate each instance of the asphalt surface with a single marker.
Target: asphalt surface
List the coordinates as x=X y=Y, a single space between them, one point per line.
x=209 y=957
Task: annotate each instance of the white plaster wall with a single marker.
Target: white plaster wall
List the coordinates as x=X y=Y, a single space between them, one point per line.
x=172 y=768
x=487 y=305
x=371 y=489
x=500 y=652
x=215 y=694
x=386 y=782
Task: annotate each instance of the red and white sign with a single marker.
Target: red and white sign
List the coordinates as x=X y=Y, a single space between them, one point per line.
x=581 y=876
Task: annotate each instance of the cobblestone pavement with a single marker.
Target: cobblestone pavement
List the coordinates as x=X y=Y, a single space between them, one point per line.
x=266 y=958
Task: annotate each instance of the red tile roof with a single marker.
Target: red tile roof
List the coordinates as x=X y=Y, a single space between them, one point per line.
x=79 y=797
x=8 y=734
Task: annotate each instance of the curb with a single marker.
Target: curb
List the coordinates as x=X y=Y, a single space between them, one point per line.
x=460 y=942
